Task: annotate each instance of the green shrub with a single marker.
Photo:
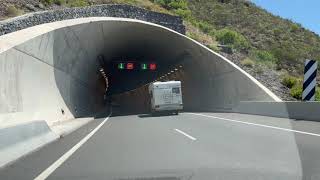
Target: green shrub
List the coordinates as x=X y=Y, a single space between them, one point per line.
x=277 y=32
x=77 y=3
x=263 y=56
x=183 y=13
x=205 y=27
x=214 y=47
x=13 y=11
x=289 y=81
x=179 y=7
x=247 y=62
x=233 y=38
x=294 y=27
x=318 y=94
x=284 y=54
x=49 y=2
x=178 y=4
x=296 y=92
x=60 y=2
x=172 y=4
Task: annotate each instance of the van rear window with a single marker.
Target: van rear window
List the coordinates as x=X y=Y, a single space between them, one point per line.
x=176 y=90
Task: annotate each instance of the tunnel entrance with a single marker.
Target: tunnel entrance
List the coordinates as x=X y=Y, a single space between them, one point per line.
x=208 y=80
x=60 y=64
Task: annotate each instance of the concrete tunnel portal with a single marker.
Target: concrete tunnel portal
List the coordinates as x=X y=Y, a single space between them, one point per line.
x=55 y=66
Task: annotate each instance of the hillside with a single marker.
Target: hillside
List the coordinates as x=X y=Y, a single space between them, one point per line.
x=270 y=48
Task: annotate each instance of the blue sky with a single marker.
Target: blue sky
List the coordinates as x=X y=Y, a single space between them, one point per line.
x=305 y=12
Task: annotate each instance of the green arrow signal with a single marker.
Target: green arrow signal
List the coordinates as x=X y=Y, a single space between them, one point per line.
x=144 y=66
x=121 y=66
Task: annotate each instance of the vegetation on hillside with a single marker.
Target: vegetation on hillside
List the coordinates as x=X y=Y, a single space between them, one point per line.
x=265 y=39
x=289 y=43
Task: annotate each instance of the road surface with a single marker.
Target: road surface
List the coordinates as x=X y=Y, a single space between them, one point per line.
x=185 y=146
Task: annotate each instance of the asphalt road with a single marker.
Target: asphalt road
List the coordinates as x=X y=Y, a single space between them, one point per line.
x=188 y=146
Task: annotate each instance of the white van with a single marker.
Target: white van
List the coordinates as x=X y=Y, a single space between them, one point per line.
x=166 y=96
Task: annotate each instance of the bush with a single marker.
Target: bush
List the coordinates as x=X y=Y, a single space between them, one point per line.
x=183 y=13
x=264 y=56
x=247 y=62
x=13 y=11
x=172 y=4
x=233 y=38
x=49 y=2
x=289 y=81
x=214 y=47
x=77 y=3
x=60 y=2
x=178 y=4
x=283 y=54
x=296 y=92
x=205 y=27
x=295 y=27
x=318 y=94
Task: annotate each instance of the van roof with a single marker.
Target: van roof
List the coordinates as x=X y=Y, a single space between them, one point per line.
x=167 y=82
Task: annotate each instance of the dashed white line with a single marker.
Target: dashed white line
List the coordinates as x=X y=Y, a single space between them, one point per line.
x=260 y=125
x=187 y=135
x=46 y=173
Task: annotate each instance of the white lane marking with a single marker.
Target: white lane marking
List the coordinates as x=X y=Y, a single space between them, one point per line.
x=190 y=137
x=261 y=125
x=46 y=173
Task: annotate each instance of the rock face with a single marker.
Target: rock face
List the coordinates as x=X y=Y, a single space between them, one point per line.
x=30 y=7
x=124 y=11
x=268 y=77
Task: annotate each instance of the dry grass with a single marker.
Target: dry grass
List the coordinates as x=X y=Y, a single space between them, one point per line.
x=12 y=11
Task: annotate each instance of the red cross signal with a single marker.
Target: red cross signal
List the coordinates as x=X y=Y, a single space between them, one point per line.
x=153 y=66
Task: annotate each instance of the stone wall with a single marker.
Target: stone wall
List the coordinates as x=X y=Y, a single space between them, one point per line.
x=124 y=11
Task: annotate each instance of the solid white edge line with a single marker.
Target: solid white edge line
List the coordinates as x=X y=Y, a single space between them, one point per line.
x=261 y=125
x=46 y=173
x=187 y=135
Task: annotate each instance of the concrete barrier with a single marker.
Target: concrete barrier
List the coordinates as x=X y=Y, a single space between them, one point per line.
x=19 y=140
x=294 y=110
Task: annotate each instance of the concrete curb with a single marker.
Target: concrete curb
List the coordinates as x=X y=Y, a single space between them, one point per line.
x=309 y=111
x=64 y=128
x=20 y=140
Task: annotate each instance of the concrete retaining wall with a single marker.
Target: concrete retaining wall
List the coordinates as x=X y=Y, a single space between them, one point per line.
x=293 y=110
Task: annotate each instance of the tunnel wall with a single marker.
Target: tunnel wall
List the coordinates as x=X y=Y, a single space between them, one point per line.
x=52 y=70
x=54 y=66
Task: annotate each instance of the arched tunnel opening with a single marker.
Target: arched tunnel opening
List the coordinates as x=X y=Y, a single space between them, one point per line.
x=61 y=69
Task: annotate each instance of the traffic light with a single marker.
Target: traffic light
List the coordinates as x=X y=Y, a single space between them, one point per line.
x=130 y=66
x=152 y=66
x=121 y=66
x=144 y=66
